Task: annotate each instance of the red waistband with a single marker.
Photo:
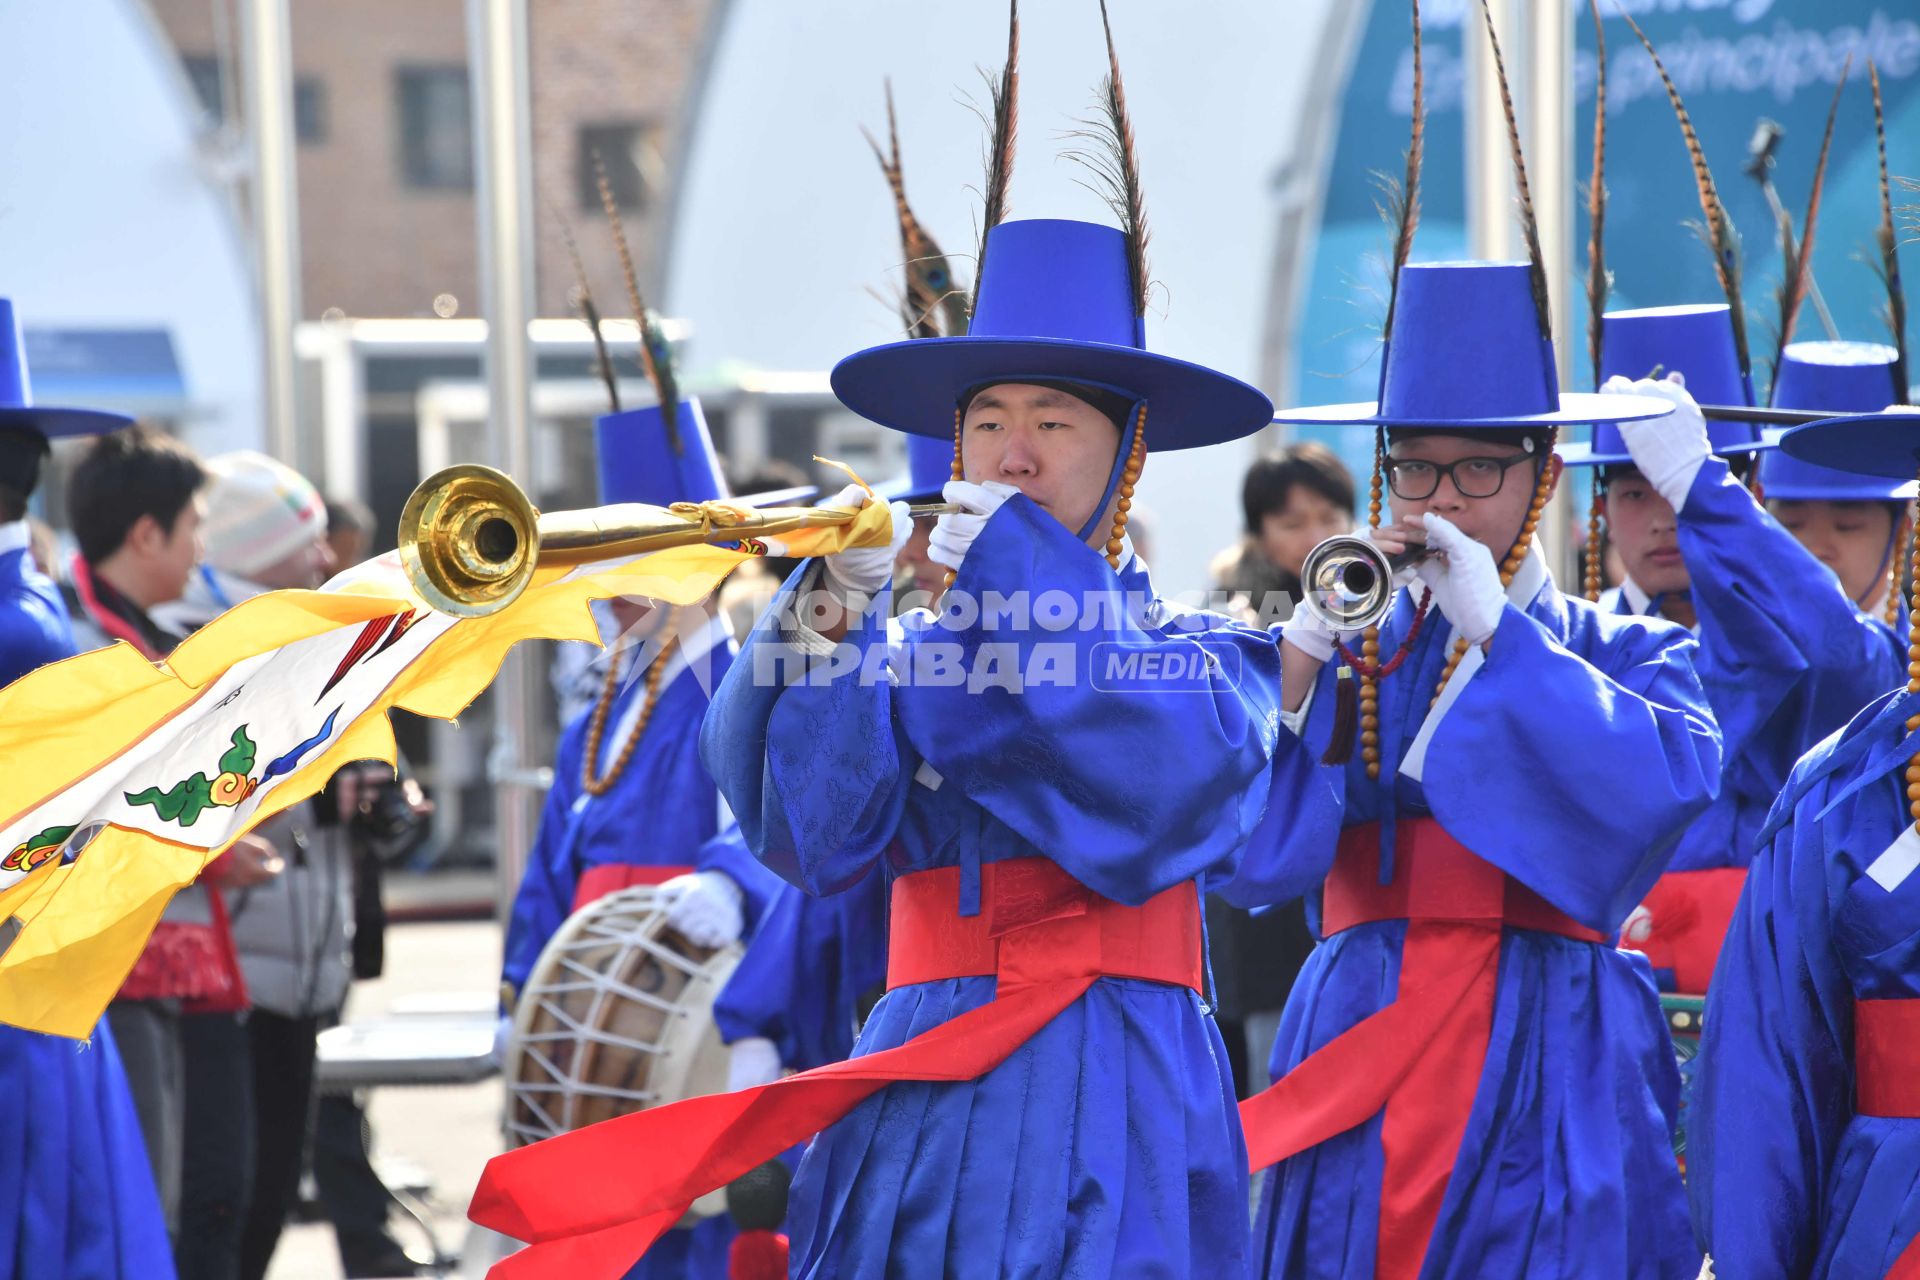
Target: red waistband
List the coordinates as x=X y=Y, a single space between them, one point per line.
x=1039 y=924
x=1435 y=877
x=611 y=877
x=1886 y=1058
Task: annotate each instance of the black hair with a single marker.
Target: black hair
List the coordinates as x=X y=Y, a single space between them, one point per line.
x=1117 y=406
x=1305 y=465
x=140 y=471
x=349 y=513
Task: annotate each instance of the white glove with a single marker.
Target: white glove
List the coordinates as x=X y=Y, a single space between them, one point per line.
x=953 y=534
x=705 y=908
x=754 y=1062
x=1465 y=581
x=864 y=570
x=1315 y=638
x=1668 y=451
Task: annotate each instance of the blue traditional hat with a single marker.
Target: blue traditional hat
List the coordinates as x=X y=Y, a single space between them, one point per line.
x=643 y=459
x=1883 y=445
x=1467 y=350
x=1694 y=339
x=1056 y=302
x=929 y=467
x=1835 y=377
x=17 y=409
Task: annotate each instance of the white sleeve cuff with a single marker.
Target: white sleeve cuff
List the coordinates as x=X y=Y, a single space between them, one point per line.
x=1296 y=720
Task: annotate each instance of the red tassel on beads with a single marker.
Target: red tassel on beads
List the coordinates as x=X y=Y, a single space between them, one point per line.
x=1346 y=717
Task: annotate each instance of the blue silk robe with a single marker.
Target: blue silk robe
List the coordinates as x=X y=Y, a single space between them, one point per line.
x=662 y=811
x=812 y=965
x=1108 y=1144
x=77 y=1200
x=1571 y=760
x=1785 y=657
x=1786 y=1178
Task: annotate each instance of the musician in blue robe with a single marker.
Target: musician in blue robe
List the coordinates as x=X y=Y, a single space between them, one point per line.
x=980 y=763
x=1472 y=1080
x=631 y=803
x=77 y=1195
x=1805 y=1151
x=1788 y=651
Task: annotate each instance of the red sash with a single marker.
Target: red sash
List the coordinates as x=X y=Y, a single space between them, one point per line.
x=597 y=882
x=1886 y=1075
x=1419 y=1059
x=590 y=1202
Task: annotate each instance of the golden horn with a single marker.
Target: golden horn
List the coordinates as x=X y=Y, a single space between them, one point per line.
x=471 y=540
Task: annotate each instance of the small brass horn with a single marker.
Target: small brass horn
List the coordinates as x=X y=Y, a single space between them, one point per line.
x=471 y=540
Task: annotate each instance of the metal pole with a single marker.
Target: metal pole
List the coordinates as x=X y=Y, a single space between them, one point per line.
x=503 y=188
x=267 y=66
x=1537 y=41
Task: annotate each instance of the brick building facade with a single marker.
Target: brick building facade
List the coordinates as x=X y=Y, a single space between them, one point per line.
x=385 y=156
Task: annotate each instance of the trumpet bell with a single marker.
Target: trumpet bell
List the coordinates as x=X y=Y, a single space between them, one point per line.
x=469 y=540
x=1347 y=583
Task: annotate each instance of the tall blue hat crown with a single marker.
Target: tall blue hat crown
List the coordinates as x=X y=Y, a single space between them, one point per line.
x=1834 y=377
x=929 y=467
x=17 y=409
x=1695 y=340
x=642 y=461
x=1467 y=350
x=1055 y=303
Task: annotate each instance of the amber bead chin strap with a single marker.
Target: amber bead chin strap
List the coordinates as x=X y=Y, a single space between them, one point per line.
x=1542 y=487
x=1913 y=670
x=590 y=765
x=1136 y=458
x=1592 y=558
x=1370 y=638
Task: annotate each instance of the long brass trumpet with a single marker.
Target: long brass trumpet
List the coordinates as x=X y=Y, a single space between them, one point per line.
x=471 y=540
x=1347 y=582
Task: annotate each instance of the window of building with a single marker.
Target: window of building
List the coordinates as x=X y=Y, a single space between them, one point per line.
x=210 y=87
x=631 y=153
x=436 y=127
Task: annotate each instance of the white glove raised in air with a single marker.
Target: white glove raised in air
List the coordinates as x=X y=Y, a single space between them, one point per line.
x=753 y=1061
x=1465 y=581
x=704 y=907
x=864 y=570
x=1315 y=638
x=1668 y=451
x=953 y=533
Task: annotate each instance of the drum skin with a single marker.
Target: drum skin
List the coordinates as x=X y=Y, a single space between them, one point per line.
x=616 y=1016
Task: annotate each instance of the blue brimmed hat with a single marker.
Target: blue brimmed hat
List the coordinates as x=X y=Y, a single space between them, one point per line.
x=1834 y=377
x=1882 y=445
x=1056 y=303
x=641 y=460
x=1694 y=339
x=17 y=409
x=1467 y=351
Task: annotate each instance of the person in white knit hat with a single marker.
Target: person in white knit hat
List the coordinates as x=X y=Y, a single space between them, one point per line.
x=265 y=530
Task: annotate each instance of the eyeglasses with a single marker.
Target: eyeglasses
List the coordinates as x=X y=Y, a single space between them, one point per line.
x=1415 y=479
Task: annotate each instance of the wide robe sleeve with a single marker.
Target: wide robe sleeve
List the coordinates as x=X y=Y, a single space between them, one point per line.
x=728 y=854
x=1775 y=1087
x=1576 y=780
x=545 y=897
x=1772 y=616
x=1136 y=755
x=805 y=749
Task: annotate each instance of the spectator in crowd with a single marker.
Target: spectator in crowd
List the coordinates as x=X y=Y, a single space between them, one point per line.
x=349 y=531
x=1292 y=500
x=266 y=529
x=136 y=507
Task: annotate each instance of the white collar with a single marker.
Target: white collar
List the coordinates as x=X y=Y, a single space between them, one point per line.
x=15 y=536
x=1636 y=597
x=694 y=645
